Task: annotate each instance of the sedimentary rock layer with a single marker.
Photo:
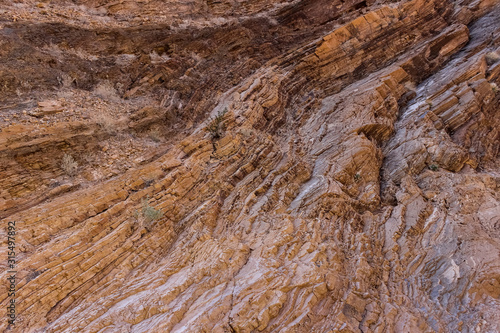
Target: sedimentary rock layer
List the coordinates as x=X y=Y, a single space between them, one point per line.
x=353 y=184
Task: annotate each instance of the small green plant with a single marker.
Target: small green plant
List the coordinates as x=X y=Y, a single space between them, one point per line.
x=155 y=135
x=357 y=177
x=148 y=215
x=433 y=167
x=216 y=126
x=69 y=165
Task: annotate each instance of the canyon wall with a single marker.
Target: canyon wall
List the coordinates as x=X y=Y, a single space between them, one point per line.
x=319 y=166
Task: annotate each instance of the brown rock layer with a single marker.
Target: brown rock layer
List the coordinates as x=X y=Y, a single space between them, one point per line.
x=355 y=186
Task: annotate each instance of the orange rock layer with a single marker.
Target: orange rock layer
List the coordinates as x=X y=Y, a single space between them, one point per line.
x=355 y=186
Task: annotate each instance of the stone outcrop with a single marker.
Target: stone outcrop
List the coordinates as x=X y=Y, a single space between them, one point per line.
x=354 y=186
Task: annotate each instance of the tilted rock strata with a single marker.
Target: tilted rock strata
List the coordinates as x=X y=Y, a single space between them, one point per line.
x=355 y=189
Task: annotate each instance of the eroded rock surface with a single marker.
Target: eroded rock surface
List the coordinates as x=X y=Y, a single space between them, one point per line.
x=354 y=186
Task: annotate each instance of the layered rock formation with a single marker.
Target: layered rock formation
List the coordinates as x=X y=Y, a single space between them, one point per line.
x=354 y=186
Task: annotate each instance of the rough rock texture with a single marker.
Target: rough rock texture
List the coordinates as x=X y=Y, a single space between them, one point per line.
x=354 y=186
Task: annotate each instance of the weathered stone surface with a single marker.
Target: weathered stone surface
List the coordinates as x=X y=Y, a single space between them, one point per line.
x=354 y=186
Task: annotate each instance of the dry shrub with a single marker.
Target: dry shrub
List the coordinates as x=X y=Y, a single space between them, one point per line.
x=105 y=122
x=106 y=91
x=492 y=57
x=216 y=125
x=69 y=165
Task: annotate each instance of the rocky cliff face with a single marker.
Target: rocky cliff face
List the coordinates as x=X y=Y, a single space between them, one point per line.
x=351 y=185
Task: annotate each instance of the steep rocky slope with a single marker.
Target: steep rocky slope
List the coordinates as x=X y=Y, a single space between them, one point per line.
x=354 y=186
